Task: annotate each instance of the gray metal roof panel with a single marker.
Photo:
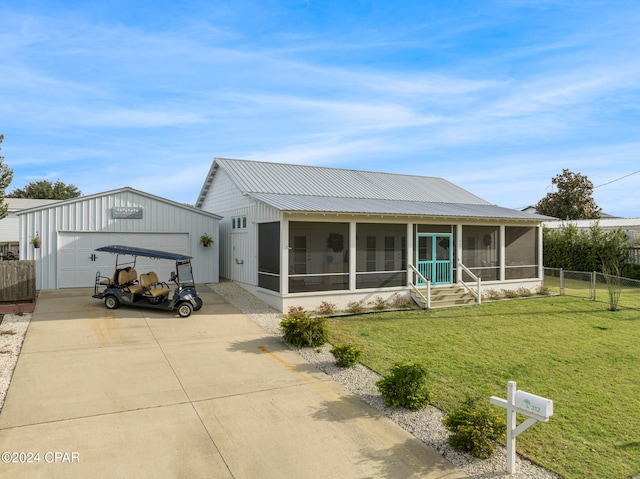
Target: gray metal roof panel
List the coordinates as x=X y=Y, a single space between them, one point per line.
x=319 y=204
x=286 y=179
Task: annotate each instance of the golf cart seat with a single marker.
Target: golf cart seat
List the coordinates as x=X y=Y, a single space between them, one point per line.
x=111 y=282
x=152 y=286
x=127 y=279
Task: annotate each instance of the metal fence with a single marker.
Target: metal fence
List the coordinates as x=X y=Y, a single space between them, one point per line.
x=594 y=286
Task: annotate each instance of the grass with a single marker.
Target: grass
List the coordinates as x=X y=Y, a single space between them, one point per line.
x=571 y=350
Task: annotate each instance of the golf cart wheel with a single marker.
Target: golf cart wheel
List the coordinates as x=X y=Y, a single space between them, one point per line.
x=111 y=302
x=198 y=304
x=185 y=310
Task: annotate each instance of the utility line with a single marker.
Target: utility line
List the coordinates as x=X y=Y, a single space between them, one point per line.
x=617 y=179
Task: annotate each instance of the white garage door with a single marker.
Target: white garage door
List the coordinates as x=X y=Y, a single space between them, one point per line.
x=78 y=262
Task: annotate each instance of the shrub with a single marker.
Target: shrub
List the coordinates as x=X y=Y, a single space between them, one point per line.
x=400 y=302
x=524 y=292
x=543 y=291
x=293 y=310
x=474 y=429
x=327 y=308
x=347 y=355
x=492 y=294
x=378 y=303
x=354 y=307
x=301 y=330
x=406 y=386
x=509 y=293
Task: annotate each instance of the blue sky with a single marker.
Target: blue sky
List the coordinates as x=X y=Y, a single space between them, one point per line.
x=496 y=96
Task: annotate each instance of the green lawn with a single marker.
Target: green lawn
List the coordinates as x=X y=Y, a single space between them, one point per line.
x=571 y=350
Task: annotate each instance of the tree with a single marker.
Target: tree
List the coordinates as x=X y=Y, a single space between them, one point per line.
x=6 y=175
x=46 y=190
x=572 y=201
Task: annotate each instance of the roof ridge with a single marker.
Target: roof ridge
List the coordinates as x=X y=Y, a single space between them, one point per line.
x=336 y=168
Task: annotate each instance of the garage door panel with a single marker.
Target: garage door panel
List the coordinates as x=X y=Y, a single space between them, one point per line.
x=78 y=262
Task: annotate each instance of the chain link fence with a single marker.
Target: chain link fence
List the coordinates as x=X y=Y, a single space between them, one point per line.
x=624 y=292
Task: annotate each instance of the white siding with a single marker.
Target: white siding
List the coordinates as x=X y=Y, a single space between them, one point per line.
x=93 y=214
x=239 y=247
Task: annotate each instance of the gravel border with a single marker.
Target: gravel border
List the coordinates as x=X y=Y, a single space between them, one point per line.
x=13 y=329
x=425 y=424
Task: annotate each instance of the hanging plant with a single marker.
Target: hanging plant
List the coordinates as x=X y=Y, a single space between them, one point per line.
x=206 y=240
x=36 y=241
x=335 y=242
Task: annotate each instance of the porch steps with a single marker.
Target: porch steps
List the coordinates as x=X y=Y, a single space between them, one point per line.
x=446 y=297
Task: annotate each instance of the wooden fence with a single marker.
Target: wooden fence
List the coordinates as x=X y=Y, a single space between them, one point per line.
x=17 y=280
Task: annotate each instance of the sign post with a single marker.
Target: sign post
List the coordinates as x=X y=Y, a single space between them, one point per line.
x=536 y=408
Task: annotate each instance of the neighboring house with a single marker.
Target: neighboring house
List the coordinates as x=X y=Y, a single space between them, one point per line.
x=71 y=230
x=299 y=235
x=10 y=225
x=631 y=227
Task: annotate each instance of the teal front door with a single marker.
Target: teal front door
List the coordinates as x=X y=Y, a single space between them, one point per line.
x=433 y=257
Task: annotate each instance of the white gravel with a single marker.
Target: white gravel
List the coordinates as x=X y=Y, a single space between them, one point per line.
x=12 y=332
x=425 y=424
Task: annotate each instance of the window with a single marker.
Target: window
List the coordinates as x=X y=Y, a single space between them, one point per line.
x=381 y=257
x=239 y=223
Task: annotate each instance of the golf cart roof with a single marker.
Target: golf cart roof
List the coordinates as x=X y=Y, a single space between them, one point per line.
x=147 y=253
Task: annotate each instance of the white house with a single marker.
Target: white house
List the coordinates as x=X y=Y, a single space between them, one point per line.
x=300 y=235
x=71 y=230
x=10 y=225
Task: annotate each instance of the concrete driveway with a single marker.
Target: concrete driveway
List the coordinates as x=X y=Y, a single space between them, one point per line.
x=142 y=393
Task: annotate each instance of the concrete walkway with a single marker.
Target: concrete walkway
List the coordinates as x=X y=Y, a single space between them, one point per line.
x=142 y=393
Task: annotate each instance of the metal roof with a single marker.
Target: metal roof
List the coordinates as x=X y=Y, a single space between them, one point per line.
x=126 y=189
x=285 y=179
x=299 y=188
x=604 y=223
x=17 y=204
x=318 y=204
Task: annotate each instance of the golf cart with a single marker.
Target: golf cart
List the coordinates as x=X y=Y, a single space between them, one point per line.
x=125 y=287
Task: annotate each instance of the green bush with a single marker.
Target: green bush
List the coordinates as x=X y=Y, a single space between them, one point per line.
x=406 y=386
x=474 y=428
x=347 y=355
x=301 y=330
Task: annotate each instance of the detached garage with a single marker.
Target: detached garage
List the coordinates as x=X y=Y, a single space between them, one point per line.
x=70 y=231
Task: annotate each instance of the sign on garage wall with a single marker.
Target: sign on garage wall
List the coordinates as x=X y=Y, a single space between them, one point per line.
x=126 y=213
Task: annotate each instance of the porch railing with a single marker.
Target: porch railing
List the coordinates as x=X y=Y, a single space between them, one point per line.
x=478 y=292
x=426 y=283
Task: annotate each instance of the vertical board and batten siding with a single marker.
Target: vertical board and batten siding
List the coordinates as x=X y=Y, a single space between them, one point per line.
x=93 y=214
x=238 y=250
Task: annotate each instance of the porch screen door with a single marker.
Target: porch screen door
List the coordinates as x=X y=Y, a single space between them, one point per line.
x=433 y=257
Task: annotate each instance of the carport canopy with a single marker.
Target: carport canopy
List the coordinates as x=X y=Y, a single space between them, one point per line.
x=147 y=253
